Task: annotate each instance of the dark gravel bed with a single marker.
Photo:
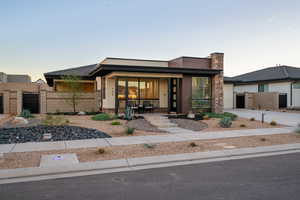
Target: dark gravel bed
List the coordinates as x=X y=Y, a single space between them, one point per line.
x=142 y=124
x=58 y=133
x=189 y=124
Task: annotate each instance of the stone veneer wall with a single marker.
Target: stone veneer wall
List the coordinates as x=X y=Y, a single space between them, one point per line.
x=217 y=82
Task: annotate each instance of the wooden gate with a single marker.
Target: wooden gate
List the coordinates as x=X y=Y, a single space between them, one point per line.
x=1 y=104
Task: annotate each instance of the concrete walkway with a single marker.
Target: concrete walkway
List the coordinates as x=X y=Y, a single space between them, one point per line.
x=285 y=118
x=176 y=137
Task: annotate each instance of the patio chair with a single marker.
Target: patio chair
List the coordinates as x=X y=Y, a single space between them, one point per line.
x=133 y=105
x=148 y=106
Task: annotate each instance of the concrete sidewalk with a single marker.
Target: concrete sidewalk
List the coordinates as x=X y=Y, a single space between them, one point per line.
x=109 y=166
x=176 y=137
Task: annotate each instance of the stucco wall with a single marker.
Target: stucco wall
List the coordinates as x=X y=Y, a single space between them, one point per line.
x=296 y=97
x=163 y=93
x=245 y=88
x=144 y=63
x=228 y=96
x=109 y=101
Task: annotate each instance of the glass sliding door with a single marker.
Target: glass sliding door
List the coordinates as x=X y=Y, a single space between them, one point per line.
x=138 y=92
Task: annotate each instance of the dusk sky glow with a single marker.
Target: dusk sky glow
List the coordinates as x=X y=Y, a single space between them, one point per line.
x=42 y=36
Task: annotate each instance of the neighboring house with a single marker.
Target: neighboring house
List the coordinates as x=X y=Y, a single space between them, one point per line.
x=40 y=81
x=14 y=78
x=270 y=88
x=178 y=85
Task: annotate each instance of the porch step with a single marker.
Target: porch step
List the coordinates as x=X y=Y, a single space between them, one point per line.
x=160 y=121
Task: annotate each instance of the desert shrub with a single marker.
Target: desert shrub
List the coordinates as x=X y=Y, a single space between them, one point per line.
x=243 y=125
x=192 y=144
x=225 y=122
x=263 y=139
x=252 y=119
x=298 y=129
x=150 y=146
x=129 y=130
x=52 y=120
x=101 y=151
x=221 y=115
x=26 y=114
x=103 y=117
x=273 y=123
x=115 y=123
x=206 y=117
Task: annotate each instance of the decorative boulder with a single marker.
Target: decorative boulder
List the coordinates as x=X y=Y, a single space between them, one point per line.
x=191 y=115
x=19 y=121
x=81 y=113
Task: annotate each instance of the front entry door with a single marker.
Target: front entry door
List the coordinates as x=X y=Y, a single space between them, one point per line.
x=173 y=88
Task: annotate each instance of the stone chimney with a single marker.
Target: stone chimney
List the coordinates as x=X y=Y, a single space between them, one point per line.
x=217 y=62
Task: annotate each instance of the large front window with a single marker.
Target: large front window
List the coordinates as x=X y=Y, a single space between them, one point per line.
x=138 y=91
x=201 y=92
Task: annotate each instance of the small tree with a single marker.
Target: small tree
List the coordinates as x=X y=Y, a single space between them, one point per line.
x=74 y=88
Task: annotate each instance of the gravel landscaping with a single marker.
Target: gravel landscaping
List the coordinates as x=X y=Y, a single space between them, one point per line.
x=190 y=124
x=32 y=159
x=57 y=133
x=142 y=124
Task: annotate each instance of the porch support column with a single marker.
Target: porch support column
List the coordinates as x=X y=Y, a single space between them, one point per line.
x=19 y=101
x=6 y=103
x=116 y=96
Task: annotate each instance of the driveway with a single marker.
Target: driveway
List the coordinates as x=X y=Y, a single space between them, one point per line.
x=285 y=118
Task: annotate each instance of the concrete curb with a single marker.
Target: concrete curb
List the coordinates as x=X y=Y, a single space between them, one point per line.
x=98 y=167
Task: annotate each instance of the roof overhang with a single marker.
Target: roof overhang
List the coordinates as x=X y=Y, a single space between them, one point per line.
x=107 y=69
x=143 y=75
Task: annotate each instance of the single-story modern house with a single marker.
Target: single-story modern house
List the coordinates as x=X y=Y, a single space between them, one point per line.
x=270 y=88
x=179 y=85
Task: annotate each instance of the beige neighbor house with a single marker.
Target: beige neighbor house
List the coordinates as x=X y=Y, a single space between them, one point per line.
x=270 y=88
x=179 y=85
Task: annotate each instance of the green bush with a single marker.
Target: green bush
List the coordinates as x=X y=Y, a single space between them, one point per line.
x=103 y=117
x=192 y=144
x=115 y=123
x=101 y=151
x=252 y=119
x=52 y=120
x=298 y=129
x=150 y=146
x=273 y=123
x=129 y=130
x=226 y=122
x=26 y=114
x=243 y=125
x=221 y=115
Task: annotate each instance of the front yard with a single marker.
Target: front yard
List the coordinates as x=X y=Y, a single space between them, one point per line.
x=32 y=159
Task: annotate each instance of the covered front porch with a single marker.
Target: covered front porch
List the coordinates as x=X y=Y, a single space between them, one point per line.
x=157 y=92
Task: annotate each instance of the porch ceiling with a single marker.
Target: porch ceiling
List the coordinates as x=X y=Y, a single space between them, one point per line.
x=141 y=74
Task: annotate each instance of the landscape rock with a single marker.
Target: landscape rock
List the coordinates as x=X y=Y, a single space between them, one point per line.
x=19 y=121
x=81 y=113
x=58 y=133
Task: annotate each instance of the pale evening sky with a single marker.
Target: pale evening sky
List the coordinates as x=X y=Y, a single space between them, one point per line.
x=42 y=36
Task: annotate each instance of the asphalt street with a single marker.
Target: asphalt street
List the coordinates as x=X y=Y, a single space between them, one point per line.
x=275 y=177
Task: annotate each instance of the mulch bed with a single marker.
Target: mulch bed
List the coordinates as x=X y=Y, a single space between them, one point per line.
x=190 y=124
x=58 y=133
x=142 y=124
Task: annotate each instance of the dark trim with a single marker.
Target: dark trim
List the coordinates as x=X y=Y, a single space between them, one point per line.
x=262 y=81
x=291 y=95
x=106 y=69
x=116 y=96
